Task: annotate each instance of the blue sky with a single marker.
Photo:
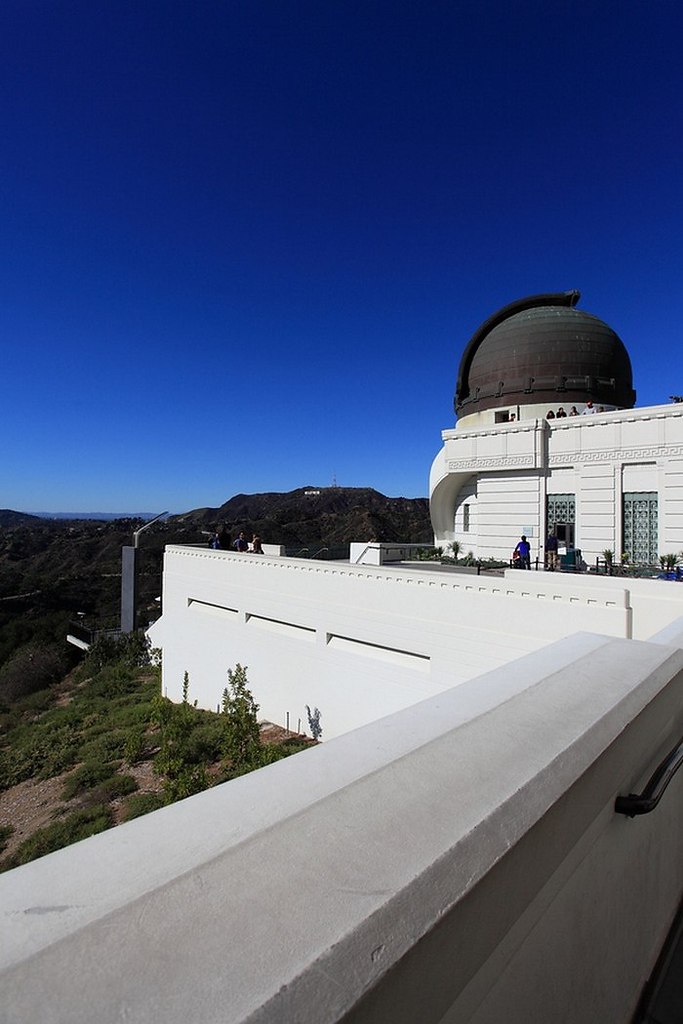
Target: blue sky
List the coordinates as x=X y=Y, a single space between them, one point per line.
x=245 y=243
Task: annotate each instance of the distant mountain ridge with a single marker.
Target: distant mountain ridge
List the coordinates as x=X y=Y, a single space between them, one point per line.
x=330 y=515
x=10 y=518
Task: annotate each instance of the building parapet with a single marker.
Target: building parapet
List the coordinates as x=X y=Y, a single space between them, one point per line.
x=288 y=894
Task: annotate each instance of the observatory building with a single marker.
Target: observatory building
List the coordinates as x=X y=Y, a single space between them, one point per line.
x=547 y=440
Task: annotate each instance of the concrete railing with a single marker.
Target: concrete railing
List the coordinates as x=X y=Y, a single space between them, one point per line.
x=654 y=603
x=460 y=861
x=382 y=553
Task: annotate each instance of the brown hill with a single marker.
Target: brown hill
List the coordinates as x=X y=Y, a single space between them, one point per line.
x=319 y=515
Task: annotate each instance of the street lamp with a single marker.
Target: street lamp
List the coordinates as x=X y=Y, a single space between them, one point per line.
x=129 y=582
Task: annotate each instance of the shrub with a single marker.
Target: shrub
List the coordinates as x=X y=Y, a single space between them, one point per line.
x=80 y=825
x=129 y=649
x=108 y=746
x=135 y=746
x=6 y=832
x=205 y=742
x=142 y=803
x=89 y=775
x=111 y=789
x=242 y=738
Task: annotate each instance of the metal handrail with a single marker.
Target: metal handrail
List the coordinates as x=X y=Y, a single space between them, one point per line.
x=646 y=801
x=319 y=552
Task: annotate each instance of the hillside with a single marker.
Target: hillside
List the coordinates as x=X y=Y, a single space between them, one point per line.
x=51 y=570
x=10 y=518
x=320 y=515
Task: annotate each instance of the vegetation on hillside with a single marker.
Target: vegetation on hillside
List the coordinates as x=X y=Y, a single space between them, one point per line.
x=105 y=722
x=96 y=724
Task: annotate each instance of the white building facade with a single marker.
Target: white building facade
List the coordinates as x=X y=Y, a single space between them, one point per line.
x=612 y=481
x=547 y=440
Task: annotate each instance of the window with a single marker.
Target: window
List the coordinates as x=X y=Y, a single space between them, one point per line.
x=466 y=519
x=641 y=526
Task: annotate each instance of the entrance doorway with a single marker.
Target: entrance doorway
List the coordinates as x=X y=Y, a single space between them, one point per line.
x=560 y=519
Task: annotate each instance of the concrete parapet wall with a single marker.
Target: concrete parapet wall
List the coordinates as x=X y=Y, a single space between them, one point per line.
x=654 y=603
x=358 y=642
x=381 y=552
x=459 y=861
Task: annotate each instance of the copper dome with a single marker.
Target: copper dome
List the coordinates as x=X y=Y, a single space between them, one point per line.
x=543 y=349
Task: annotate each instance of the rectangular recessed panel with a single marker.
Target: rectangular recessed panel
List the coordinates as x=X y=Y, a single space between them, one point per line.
x=290 y=629
x=211 y=609
x=405 y=659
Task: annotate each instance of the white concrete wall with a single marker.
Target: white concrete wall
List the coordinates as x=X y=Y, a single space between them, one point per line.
x=355 y=641
x=382 y=552
x=459 y=862
x=595 y=457
x=654 y=603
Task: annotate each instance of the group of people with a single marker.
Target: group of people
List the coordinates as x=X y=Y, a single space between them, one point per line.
x=521 y=556
x=220 y=540
x=589 y=410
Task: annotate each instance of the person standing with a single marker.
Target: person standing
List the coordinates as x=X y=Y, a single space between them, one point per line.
x=551 y=546
x=241 y=544
x=523 y=549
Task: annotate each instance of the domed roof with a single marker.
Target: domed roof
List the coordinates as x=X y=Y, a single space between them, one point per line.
x=542 y=348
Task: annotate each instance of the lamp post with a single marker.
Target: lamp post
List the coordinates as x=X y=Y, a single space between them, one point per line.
x=129 y=583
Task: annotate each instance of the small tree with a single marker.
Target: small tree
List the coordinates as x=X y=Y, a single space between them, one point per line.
x=242 y=743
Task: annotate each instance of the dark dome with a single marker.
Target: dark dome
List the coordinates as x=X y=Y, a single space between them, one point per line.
x=543 y=349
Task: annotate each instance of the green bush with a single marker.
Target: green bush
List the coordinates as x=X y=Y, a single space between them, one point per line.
x=111 y=789
x=88 y=776
x=142 y=803
x=39 y=752
x=205 y=742
x=109 y=746
x=6 y=832
x=77 y=826
x=130 y=650
x=136 y=745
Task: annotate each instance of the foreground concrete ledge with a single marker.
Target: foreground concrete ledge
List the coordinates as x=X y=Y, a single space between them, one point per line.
x=291 y=893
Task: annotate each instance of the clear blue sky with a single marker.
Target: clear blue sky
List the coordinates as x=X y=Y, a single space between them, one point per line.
x=244 y=243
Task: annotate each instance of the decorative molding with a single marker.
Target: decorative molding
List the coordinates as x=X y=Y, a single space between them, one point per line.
x=653 y=453
x=502 y=462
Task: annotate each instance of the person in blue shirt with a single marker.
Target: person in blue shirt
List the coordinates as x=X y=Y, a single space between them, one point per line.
x=523 y=549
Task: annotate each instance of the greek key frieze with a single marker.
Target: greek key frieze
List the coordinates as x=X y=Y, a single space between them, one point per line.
x=616 y=455
x=522 y=461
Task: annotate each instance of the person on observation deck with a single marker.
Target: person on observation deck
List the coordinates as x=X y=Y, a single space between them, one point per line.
x=551 y=546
